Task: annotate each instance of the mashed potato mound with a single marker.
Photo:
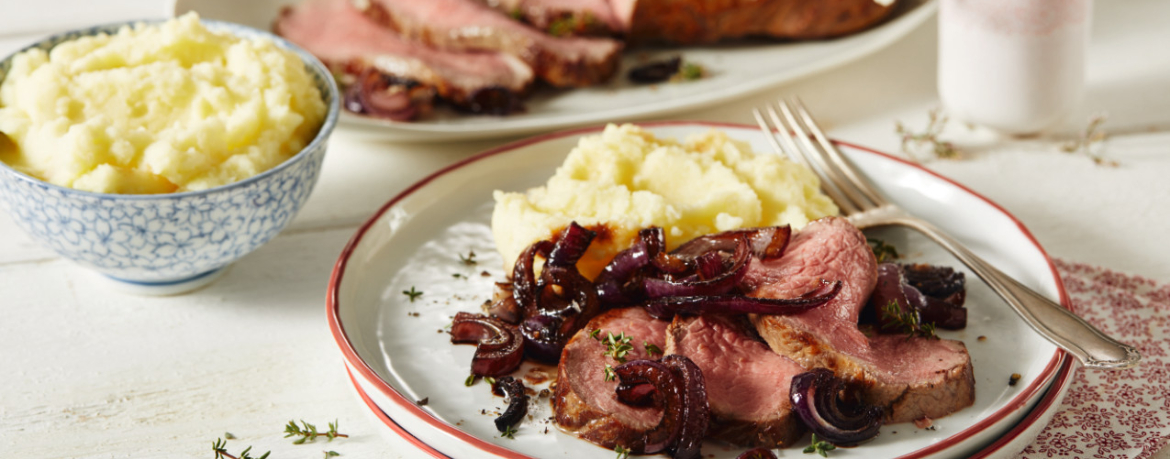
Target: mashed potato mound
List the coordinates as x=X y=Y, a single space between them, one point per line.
x=625 y=179
x=156 y=109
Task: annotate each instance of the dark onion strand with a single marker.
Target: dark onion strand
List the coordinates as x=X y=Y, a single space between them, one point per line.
x=517 y=399
x=663 y=308
x=499 y=346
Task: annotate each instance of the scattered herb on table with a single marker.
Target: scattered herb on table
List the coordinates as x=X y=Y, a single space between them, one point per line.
x=820 y=447
x=228 y=436
x=308 y=432
x=329 y=454
x=1089 y=141
x=882 y=250
x=412 y=293
x=907 y=322
x=929 y=136
x=219 y=446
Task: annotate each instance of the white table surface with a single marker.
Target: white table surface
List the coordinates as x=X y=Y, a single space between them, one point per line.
x=91 y=372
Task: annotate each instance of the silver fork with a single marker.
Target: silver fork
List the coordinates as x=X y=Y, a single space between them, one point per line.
x=797 y=135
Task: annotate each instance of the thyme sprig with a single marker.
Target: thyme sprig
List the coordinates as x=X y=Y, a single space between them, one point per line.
x=1088 y=142
x=219 y=446
x=617 y=346
x=308 y=432
x=468 y=260
x=882 y=250
x=609 y=373
x=929 y=136
x=622 y=452
x=412 y=293
x=907 y=322
x=820 y=447
x=651 y=349
x=509 y=432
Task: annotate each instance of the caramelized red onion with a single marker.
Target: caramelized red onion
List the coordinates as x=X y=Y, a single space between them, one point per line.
x=377 y=94
x=766 y=243
x=561 y=301
x=513 y=392
x=681 y=392
x=499 y=346
x=708 y=264
x=816 y=398
x=665 y=308
x=894 y=286
x=619 y=283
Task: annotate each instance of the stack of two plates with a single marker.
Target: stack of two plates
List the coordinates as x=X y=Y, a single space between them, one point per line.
x=397 y=352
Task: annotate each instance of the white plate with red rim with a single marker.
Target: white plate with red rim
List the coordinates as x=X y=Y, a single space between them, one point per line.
x=397 y=354
x=736 y=70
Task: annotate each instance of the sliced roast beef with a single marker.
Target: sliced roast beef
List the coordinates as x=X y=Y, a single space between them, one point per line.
x=708 y=21
x=472 y=25
x=914 y=377
x=584 y=402
x=347 y=41
x=747 y=383
x=563 y=17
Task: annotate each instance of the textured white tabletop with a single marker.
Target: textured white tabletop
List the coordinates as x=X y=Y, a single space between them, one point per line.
x=91 y=372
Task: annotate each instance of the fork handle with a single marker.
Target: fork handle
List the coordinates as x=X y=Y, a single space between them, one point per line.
x=1060 y=326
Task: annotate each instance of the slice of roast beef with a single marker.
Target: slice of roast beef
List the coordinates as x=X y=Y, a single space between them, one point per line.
x=913 y=377
x=471 y=25
x=747 y=383
x=708 y=21
x=584 y=402
x=349 y=42
x=563 y=17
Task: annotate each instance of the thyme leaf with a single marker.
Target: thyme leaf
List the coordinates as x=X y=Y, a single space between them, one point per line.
x=219 y=447
x=907 y=322
x=308 y=432
x=882 y=250
x=412 y=293
x=928 y=137
x=651 y=349
x=820 y=447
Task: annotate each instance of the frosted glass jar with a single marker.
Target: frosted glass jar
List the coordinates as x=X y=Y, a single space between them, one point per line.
x=1013 y=65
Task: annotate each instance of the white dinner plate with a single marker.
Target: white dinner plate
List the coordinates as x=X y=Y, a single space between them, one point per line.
x=735 y=71
x=398 y=354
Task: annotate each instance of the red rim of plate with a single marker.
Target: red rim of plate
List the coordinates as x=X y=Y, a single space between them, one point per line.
x=1059 y=365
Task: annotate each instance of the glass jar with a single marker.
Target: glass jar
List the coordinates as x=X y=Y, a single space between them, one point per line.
x=1017 y=66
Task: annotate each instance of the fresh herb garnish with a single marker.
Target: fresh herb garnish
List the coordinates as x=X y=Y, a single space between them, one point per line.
x=219 y=446
x=651 y=349
x=469 y=260
x=907 y=322
x=490 y=380
x=509 y=432
x=229 y=436
x=622 y=452
x=609 y=374
x=595 y=334
x=617 y=346
x=940 y=148
x=882 y=250
x=689 y=72
x=470 y=380
x=820 y=447
x=308 y=432
x=412 y=293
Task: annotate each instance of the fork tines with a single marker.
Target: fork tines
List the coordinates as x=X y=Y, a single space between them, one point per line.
x=798 y=136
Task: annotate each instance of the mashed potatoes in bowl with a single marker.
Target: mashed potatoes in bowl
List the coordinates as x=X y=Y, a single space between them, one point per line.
x=625 y=179
x=167 y=203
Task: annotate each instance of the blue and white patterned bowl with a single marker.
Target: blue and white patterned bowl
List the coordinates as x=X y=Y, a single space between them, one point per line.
x=173 y=241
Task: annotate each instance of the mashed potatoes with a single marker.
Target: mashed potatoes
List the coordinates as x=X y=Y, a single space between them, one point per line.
x=625 y=179
x=156 y=109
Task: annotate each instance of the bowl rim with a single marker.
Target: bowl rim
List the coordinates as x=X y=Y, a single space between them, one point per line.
x=331 y=97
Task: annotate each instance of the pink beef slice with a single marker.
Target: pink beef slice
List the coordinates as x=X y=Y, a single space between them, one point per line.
x=347 y=41
x=584 y=402
x=472 y=25
x=576 y=17
x=747 y=383
x=914 y=378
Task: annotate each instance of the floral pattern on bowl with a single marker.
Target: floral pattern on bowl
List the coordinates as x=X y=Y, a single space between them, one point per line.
x=169 y=238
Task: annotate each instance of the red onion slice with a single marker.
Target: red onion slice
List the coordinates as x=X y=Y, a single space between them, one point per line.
x=815 y=397
x=665 y=308
x=767 y=243
x=524 y=286
x=720 y=284
x=681 y=392
x=571 y=245
x=499 y=347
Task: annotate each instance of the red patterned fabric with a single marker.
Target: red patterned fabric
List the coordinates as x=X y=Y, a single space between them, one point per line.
x=1115 y=414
